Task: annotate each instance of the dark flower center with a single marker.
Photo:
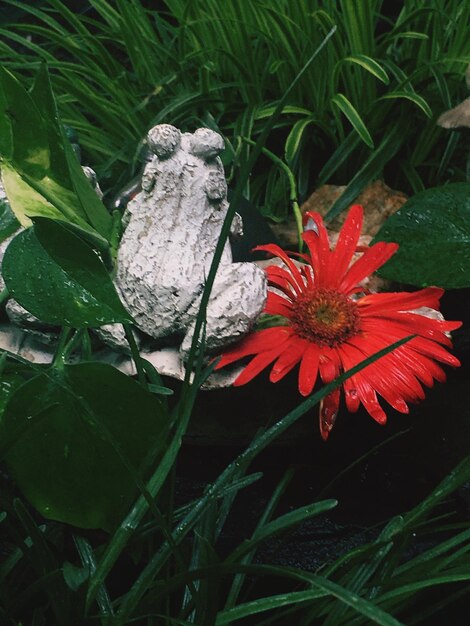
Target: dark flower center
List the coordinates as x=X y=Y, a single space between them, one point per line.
x=325 y=317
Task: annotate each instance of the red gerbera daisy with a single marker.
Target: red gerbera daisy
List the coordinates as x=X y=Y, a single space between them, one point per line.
x=329 y=324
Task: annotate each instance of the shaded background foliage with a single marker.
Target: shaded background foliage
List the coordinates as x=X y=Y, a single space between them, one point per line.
x=372 y=100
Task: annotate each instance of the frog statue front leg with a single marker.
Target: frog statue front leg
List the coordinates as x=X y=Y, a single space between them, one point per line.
x=173 y=226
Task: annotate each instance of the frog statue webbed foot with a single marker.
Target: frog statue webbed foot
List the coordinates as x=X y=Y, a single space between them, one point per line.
x=173 y=226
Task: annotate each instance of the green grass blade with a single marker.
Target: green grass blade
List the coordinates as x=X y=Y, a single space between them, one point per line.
x=338 y=158
x=269 y=603
x=369 y=64
x=294 y=139
x=346 y=107
x=459 y=476
x=88 y=560
x=412 y=97
x=370 y=170
x=280 y=525
x=44 y=563
x=239 y=579
x=412 y=588
x=360 y=605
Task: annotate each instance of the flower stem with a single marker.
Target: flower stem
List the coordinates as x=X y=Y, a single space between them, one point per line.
x=60 y=353
x=294 y=202
x=4 y=295
x=135 y=355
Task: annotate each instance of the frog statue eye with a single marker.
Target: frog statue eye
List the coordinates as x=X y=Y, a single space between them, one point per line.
x=163 y=140
x=206 y=144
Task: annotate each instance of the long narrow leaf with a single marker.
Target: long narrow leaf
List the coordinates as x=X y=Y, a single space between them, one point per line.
x=346 y=107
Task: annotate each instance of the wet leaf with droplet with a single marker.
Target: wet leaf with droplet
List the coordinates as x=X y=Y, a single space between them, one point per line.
x=433 y=232
x=66 y=438
x=57 y=277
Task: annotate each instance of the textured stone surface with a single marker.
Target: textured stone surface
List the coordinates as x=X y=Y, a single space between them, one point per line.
x=173 y=226
x=378 y=200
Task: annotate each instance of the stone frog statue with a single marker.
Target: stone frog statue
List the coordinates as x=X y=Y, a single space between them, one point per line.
x=172 y=229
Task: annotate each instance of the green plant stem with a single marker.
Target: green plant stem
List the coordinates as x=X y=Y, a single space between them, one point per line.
x=73 y=343
x=293 y=197
x=61 y=350
x=4 y=295
x=135 y=355
x=322 y=493
x=87 y=558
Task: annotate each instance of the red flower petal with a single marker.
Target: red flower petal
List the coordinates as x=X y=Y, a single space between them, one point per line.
x=329 y=365
x=279 y=252
x=370 y=261
x=256 y=365
x=308 y=372
x=402 y=300
x=328 y=411
x=277 y=305
x=281 y=278
x=388 y=367
x=288 y=359
x=420 y=344
x=347 y=243
x=319 y=248
x=260 y=341
x=401 y=326
x=433 y=350
x=369 y=399
x=383 y=384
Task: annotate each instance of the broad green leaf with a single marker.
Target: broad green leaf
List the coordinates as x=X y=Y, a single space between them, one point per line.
x=74 y=576
x=370 y=65
x=345 y=106
x=8 y=222
x=93 y=208
x=64 y=437
x=6 y=131
x=25 y=201
x=412 y=97
x=64 y=163
x=41 y=94
x=29 y=146
x=60 y=279
x=8 y=383
x=43 y=174
x=433 y=231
